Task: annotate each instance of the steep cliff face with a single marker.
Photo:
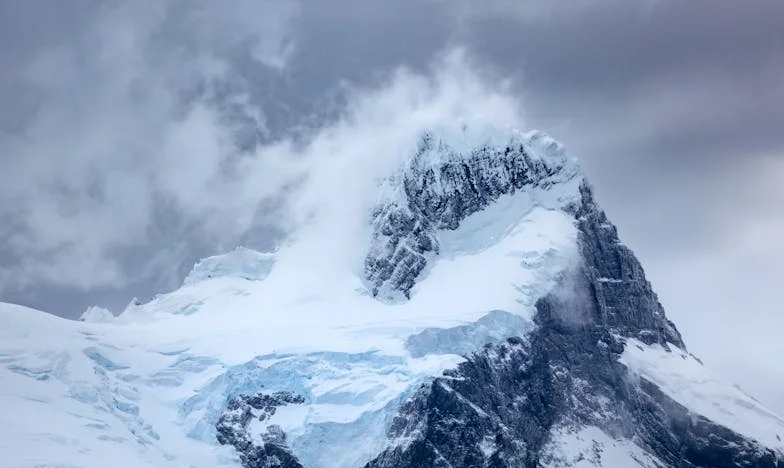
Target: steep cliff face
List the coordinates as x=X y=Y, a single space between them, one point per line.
x=507 y=405
x=619 y=297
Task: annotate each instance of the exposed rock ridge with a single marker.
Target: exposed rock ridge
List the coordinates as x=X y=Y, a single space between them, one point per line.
x=440 y=189
x=268 y=448
x=620 y=298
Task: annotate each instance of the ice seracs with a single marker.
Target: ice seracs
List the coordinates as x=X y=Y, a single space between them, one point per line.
x=96 y=314
x=240 y=263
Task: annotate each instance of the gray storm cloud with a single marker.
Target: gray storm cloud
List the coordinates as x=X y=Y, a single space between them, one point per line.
x=127 y=126
x=134 y=134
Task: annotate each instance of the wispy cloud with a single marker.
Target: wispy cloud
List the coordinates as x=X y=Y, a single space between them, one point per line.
x=135 y=115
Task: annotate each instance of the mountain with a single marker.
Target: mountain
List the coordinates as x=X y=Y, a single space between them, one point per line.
x=490 y=318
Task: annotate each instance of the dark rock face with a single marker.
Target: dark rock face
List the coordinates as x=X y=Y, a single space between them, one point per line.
x=500 y=408
x=449 y=192
x=440 y=197
x=620 y=298
x=267 y=449
x=408 y=240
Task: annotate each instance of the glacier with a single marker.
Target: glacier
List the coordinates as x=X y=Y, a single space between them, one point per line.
x=465 y=241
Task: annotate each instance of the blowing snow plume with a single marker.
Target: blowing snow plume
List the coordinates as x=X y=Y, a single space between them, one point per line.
x=166 y=151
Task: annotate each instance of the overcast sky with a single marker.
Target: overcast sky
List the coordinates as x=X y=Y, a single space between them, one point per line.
x=126 y=129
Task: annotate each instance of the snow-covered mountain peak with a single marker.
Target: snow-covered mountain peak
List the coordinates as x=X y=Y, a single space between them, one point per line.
x=452 y=176
x=482 y=148
x=96 y=314
x=515 y=330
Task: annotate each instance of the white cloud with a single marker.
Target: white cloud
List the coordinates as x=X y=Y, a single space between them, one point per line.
x=115 y=156
x=380 y=128
x=127 y=116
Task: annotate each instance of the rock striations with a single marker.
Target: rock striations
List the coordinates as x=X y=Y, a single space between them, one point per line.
x=441 y=188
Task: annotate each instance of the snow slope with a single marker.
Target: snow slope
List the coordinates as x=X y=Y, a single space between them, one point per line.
x=590 y=447
x=684 y=379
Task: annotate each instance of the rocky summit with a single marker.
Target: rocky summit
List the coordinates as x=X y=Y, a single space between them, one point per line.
x=442 y=187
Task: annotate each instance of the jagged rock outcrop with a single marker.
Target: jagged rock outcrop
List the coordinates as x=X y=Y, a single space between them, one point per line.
x=267 y=448
x=501 y=407
x=404 y=241
x=440 y=189
x=620 y=297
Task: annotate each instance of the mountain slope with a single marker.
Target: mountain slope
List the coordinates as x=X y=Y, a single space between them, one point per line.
x=495 y=319
x=510 y=404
